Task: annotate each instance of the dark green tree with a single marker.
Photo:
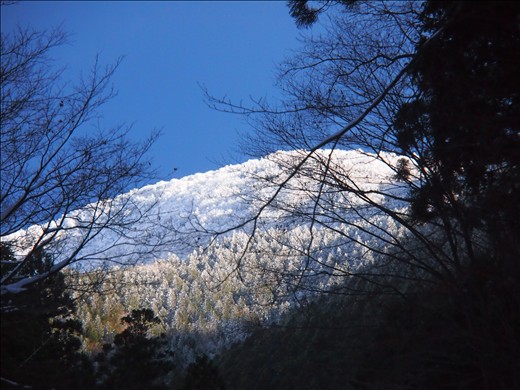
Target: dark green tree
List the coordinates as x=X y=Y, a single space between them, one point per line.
x=40 y=344
x=136 y=360
x=305 y=15
x=468 y=112
x=203 y=374
x=465 y=120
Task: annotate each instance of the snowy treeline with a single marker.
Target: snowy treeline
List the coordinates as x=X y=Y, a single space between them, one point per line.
x=210 y=294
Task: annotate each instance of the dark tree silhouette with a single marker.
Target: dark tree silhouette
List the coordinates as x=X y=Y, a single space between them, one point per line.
x=437 y=83
x=137 y=360
x=40 y=345
x=203 y=374
x=467 y=111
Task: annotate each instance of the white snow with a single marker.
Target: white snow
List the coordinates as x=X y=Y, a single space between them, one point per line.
x=194 y=288
x=186 y=213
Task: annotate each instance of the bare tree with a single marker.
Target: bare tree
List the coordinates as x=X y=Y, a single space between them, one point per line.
x=342 y=91
x=61 y=172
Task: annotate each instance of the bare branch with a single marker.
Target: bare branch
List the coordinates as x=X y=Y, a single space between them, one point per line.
x=61 y=179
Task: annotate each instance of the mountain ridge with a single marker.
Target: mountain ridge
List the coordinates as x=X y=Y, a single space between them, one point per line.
x=182 y=214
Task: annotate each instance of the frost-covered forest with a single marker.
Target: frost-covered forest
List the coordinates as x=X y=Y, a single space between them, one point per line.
x=370 y=242
x=203 y=303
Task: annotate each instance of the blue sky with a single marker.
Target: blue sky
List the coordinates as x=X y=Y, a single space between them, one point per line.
x=169 y=48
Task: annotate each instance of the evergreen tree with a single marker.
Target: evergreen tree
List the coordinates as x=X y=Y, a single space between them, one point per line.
x=467 y=114
x=203 y=374
x=136 y=361
x=465 y=121
x=40 y=342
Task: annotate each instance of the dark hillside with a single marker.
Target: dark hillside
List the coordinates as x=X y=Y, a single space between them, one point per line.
x=424 y=341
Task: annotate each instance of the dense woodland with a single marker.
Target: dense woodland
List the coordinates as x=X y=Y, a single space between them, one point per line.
x=380 y=249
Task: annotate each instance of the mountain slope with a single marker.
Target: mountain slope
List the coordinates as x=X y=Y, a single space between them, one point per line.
x=211 y=284
x=180 y=215
x=187 y=212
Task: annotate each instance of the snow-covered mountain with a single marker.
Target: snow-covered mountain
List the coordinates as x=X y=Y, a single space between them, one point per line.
x=181 y=215
x=212 y=280
x=186 y=213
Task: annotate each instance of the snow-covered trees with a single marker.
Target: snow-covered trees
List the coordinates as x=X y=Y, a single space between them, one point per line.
x=55 y=160
x=205 y=305
x=348 y=88
x=437 y=83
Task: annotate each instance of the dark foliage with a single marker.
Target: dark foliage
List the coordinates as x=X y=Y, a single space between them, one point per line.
x=402 y=170
x=468 y=112
x=376 y=342
x=203 y=374
x=138 y=324
x=40 y=346
x=136 y=361
x=306 y=15
x=466 y=121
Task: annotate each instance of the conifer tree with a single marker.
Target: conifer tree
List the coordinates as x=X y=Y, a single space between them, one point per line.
x=467 y=112
x=40 y=345
x=136 y=360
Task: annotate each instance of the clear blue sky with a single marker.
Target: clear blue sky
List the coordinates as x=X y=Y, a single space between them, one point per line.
x=232 y=47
